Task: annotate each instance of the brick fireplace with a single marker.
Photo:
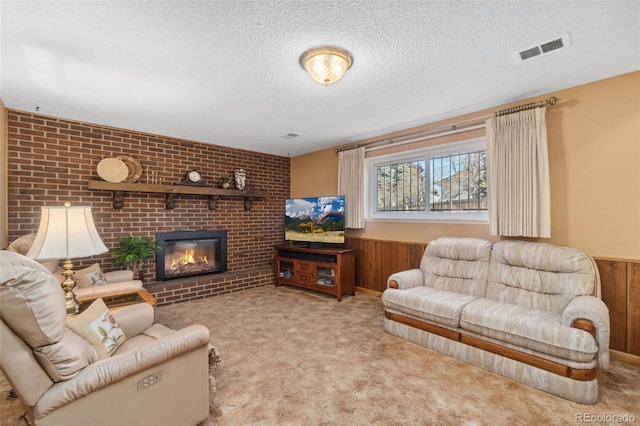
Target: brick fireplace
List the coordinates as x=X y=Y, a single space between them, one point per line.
x=51 y=160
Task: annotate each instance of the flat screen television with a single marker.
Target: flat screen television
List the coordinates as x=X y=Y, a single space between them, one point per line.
x=315 y=220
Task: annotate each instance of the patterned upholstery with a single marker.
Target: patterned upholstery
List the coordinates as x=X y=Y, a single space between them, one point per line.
x=439 y=306
x=457 y=264
x=538 y=330
x=538 y=275
x=513 y=296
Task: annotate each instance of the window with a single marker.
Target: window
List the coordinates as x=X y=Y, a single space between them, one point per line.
x=401 y=186
x=446 y=182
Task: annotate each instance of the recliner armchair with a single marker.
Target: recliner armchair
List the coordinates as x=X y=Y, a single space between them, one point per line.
x=116 y=282
x=157 y=376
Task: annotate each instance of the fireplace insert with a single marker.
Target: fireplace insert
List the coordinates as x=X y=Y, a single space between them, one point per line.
x=188 y=253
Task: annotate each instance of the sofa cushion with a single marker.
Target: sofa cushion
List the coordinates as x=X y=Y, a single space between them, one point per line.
x=23 y=244
x=98 y=327
x=438 y=306
x=538 y=275
x=151 y=334
x=90 y=276
x=32 y=303
x=457 y=264
x=64 y=359
x=540 y=331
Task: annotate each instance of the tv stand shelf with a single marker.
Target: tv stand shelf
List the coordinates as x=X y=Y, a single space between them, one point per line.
x=172 y=191
x=328 y=270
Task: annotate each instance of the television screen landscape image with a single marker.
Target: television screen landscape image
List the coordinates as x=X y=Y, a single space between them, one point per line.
x=315 y=220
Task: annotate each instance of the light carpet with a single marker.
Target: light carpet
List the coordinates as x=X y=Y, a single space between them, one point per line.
x=295 y=357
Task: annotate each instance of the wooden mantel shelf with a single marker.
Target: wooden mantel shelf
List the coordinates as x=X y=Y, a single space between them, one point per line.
x=172 y=191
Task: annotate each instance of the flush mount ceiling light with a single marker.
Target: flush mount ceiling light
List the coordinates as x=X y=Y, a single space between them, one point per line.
x=326 y=64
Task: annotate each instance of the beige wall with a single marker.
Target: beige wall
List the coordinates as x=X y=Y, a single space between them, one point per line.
x=3 y=172
x=594 y=155
x=315 y=174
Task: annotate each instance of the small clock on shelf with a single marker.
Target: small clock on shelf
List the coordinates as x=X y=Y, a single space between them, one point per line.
x=193 y=178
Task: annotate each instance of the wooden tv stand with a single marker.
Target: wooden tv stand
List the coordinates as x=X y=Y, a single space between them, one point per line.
x=330 y=270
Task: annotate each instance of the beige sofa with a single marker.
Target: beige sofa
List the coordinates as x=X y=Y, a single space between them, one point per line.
x=66 y=371
x=528 y=311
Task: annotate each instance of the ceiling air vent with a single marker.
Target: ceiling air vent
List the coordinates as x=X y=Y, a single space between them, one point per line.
x=529 y=53
x=542 y=48
x=552 y=45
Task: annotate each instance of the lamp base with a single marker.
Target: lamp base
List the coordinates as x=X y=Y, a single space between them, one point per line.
x=73 y=307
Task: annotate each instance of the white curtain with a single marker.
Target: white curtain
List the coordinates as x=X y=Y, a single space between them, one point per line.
x=351 y=185
x=518 y=175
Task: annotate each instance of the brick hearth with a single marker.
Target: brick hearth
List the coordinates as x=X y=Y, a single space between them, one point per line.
x=51 y=160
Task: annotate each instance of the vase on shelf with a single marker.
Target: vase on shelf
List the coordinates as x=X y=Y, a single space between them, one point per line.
x=241 y=179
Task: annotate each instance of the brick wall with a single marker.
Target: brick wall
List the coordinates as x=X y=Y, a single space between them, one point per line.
x=51 y=160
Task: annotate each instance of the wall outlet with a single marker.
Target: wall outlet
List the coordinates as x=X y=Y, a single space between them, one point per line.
x=149 y=381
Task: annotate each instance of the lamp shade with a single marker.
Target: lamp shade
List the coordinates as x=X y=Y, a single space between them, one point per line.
x=326 y=64
x=65 y=233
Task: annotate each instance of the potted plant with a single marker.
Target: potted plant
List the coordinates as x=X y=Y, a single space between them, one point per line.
x=133 y=251
x=225 y=181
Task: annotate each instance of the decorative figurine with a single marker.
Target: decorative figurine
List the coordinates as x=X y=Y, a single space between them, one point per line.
x=241 y=179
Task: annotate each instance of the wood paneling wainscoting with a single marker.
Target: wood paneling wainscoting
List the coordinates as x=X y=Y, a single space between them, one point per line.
x=621 y=293
x=377 y=259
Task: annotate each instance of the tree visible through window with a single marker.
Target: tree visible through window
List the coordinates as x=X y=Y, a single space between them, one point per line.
x=453 y=181
x=458 y=182
x=401 y=186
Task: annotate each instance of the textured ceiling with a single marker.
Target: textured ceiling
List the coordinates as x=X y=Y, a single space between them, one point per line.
x=227 y=72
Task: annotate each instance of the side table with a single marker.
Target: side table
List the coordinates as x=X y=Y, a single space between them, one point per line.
x=119 y=300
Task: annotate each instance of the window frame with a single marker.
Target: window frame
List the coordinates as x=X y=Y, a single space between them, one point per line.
x=371 y=185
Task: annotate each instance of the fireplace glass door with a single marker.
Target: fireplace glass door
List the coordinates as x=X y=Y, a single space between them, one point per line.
x=187 y=254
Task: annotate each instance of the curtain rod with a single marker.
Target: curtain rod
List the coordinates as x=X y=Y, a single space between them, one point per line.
x=470 y=124
x=432 y=136
x=531 y=105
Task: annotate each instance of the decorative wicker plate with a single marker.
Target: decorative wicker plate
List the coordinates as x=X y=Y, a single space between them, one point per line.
x=134 y=166
x=113 y=170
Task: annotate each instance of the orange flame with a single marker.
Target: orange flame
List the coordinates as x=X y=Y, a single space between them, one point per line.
x=188 y=258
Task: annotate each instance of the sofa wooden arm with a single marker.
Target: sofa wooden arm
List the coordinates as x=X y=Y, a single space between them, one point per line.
x=586 y=325
x=405 y=279
x=592 y=315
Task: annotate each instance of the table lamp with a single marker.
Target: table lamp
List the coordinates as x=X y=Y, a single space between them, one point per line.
x=64 y=233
